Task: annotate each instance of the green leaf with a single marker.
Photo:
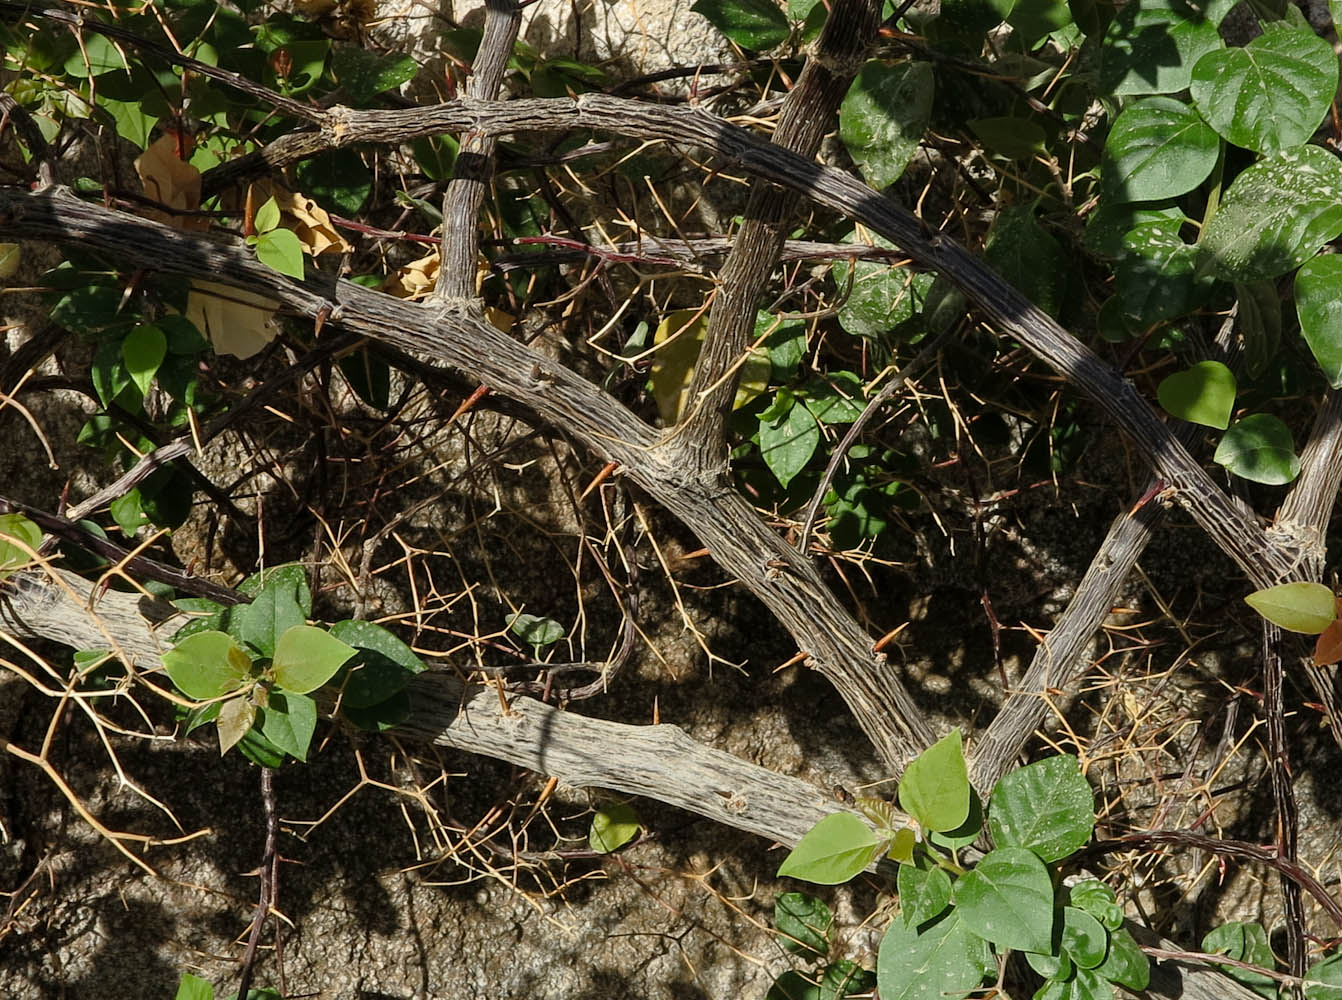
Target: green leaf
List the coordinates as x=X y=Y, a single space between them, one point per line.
x=1027 y=255
x=1276 y=215
x=194 y=988
x=1259 y=448
x=272 y=613
x=290 y=577
x=132 y=124
x=789 y=436
x=535 y=630
x=923 y=893
x=835 y=398
x=1151 y=45
x=785 y=343
x=803 y=924
x=1084 y=984
x=1126 y=964
x=902 y=845
x=1014 y=138
x=259 y=750
x=19 y=529
x=967 y=832
x=792 y=985
x=1203 y=394
x=1158 y=278
x=1046 y=807
x=280 y=250
x=338 y=179
x=833 y=851
x=845 y=978
x=1318 y=304
x=1259 y=324
x=882 y=300
x=1109 y=225
x=1036 y=19
x=267 y=216
x=366 y=74
x=234 y=722
x=108 y=372
x=1323 y=980
x=883 y=117
x=98 y=55
x=612 y=827
x=382 y=665
x=207 y=665
x=1008 y=899
x=142 y=352
x=128 y=512
x=1083 y=938
x=757 y=25
x=935 y=787
x=1271 y=94
x=382 y=716
x=1244 y=942
x=306 y=658
x=1099 y=901
x=945 y=961
x=90 y=309
x=1158 y=148
x=1297 y=607
x=288 y=720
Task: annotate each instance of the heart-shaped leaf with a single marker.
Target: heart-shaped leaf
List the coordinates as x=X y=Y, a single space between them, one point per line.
x=1270 y=94
x=1259 y=448
x=207 y=665
x=1158 y=148
x=1276 y=215
x=1318 y=303
x=1297 y=607
x=935 y=787
x=306 y=657
x=833 y=851
x=942 y=962
x=1203 y=394
x=1008 y=899
x=883 y=117
x=142 y=352
x=1046 y=807
x=1151 y=45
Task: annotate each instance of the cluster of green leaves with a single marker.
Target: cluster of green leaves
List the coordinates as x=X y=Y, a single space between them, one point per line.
x=954 y=920
x=254 y=666
x=192 y=987
x=19 y=537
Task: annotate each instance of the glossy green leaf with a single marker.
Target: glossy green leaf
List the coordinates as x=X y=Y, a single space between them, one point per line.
x=364 y=74
x=142 y=352
x=1259 y=448
x=281 y=251
x=233 y=722
x=1046 y=807
x=613 y=826
x=1158 y=278
x=1297 y=607
x=835 y=398
x=1057 y=966
x=207 y=665
x=935 y=787
x=757 y=25
x=1244 y=942
x=1008 y=899
x=1126 y=963
x=1083 y=938
x=1151 y=45
x=1108 y=226
x=259 y=750
x=381 y=667
x=789 y=436
x=923 y=893
x=1158 y=148
x=307 y=657
x=833 y=851
x=1323 y=980
x=1276 y=215
x=128 y=512
x=1272 y=93
x=881 y=300
x=15 y=528
x=803 y=923
x=288 y=720
x=883 y=117
x=1318 y=304
x=108 y=372
x=945 y=961
x=1203 y=394
x=1099 y=901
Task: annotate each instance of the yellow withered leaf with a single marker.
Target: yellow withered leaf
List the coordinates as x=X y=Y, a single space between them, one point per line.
x=682 y=334
x=236 y=322
x=171 y=182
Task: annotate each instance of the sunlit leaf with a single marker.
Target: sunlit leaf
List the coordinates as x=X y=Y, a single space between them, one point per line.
x=935 y=787
x=207 y=665
x=234 y=720
x=1318 y=304
x=833 y=851
x=1259 y=448
x=1203 y=394
x=306 y=657
x=883 y=117
x=1297 y=607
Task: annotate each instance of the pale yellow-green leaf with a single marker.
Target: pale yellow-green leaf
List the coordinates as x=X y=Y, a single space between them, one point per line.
x=1297 y=607
x=901 y=848
x=679 y=338
x=236 y=322
x=9 y=260
x=235 y=717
